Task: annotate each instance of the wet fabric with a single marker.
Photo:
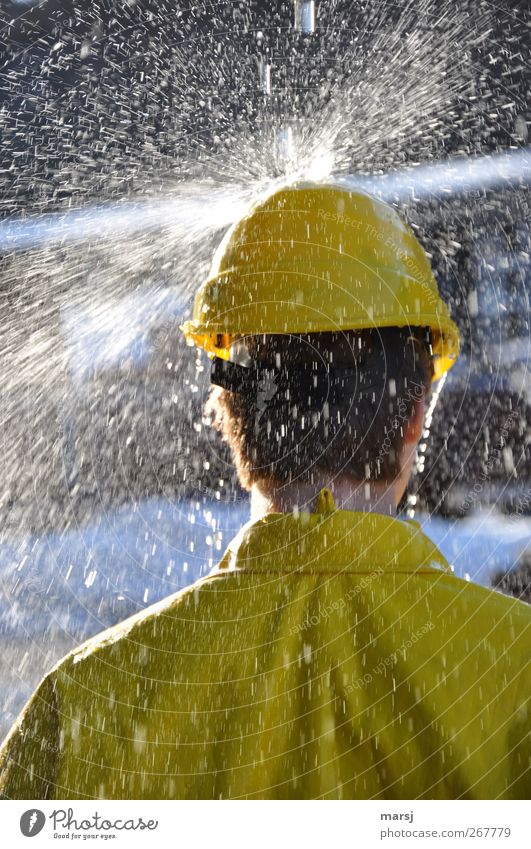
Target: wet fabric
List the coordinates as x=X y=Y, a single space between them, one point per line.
x=328 y=655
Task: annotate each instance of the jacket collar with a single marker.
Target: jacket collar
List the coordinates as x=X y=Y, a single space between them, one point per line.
x=331 y=540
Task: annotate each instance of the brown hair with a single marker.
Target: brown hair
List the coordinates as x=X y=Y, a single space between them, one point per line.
x=343 y=402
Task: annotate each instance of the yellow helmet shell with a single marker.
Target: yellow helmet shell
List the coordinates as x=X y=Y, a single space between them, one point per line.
x=316 y=257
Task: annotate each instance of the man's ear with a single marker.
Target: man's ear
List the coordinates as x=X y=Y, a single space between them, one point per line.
x=415 y=425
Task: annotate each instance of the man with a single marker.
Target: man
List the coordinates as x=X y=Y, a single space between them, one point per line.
x=331 y=653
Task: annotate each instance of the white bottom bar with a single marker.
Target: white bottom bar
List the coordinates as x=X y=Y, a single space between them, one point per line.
x=271 y=825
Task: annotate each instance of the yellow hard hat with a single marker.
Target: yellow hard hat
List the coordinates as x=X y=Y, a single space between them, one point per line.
x=316 y=257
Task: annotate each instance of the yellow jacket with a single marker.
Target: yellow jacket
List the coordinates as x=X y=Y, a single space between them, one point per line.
x=329 y=655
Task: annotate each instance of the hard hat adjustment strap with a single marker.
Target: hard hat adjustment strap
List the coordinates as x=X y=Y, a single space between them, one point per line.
x=305 y=384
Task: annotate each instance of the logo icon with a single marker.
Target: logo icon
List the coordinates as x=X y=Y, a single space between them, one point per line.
x=32 y=822
x=266 y=390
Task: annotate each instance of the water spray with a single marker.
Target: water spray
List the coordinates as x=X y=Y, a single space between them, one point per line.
x=420 y=459
x=303 y=21
x=264 y=75
x=304 y=16
x=285 y=151
x=104 y=221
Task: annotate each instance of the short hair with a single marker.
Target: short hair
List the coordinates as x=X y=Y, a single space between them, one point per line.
x=289 y=435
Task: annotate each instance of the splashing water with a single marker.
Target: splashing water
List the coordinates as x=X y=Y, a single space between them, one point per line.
x=130 y=108
x=131 y=139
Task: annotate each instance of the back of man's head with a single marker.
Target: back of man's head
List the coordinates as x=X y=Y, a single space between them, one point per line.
x=327 y=404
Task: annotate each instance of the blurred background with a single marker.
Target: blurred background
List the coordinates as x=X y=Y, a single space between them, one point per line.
x=132 y=134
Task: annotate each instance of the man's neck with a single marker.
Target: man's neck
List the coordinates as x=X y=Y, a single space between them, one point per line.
x=348 y=494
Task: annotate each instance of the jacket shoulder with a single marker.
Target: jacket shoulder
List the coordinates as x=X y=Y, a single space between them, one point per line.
x=130 y=627
x=29 y=755
x=489 y=597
